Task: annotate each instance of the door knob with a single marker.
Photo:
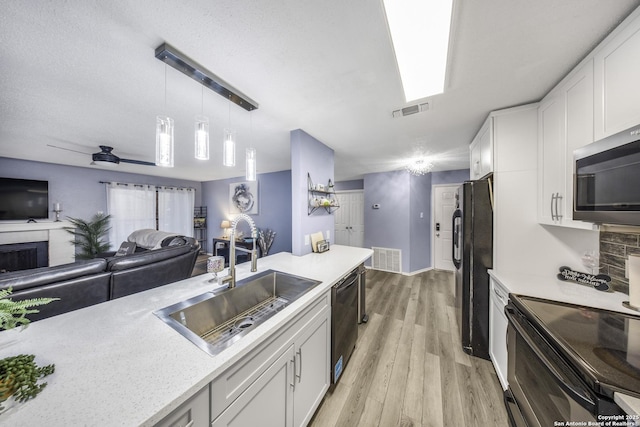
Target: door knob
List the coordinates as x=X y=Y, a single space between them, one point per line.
x=437 y=234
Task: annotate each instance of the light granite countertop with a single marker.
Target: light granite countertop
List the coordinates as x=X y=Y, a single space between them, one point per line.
x=557 y=290
x=117 y=364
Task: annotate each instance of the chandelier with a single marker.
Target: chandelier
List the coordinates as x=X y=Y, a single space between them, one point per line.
x=419 y=166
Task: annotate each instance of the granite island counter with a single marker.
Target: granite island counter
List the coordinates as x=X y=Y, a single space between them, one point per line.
x=119 y=364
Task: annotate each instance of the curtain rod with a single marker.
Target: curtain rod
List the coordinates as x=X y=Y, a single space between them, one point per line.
x=148 y=185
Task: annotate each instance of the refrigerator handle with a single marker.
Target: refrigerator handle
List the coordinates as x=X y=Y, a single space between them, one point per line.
x=454 y=228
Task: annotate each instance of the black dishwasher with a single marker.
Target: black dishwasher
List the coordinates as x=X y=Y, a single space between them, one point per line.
x=344 y=322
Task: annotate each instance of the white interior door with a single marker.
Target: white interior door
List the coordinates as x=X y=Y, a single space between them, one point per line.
x=349 y=218
x=443 y=207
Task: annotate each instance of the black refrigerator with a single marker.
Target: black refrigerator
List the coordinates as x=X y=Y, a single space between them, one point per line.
x=473 y=257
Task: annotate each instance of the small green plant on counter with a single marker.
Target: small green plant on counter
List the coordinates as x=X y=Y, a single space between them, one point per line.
x=12 y=313
x=89 y=235
x=19 y=377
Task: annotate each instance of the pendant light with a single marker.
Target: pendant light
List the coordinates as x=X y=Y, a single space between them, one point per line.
x=250 y=155
x=202 y=133
x=164 y=134
x=229 y=147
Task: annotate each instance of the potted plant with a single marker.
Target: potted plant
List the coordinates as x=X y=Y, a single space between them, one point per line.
x=89 y=235
x=19 y=375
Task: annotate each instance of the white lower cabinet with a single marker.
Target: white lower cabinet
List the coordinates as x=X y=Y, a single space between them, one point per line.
x=267 y=402
x=498 y=331
x=282 y=382
x=311 y=363
x=192 y=413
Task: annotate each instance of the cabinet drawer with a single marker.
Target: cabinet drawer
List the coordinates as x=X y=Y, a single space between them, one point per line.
x=192 y=413
x=228 y=386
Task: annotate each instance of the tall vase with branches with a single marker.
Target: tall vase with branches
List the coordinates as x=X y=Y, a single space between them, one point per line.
x=89 y=234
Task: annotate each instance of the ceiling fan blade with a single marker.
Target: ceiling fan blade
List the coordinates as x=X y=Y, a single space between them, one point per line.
x=68 y=149
x=137 y=162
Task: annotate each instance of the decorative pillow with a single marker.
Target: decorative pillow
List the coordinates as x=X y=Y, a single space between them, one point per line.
x=149 y=238
x=126 y=248
x=173 y=241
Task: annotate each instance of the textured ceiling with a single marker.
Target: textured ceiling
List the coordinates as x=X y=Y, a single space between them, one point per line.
x=78 y=74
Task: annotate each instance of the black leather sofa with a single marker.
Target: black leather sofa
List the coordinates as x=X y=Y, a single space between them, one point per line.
x=84 y=283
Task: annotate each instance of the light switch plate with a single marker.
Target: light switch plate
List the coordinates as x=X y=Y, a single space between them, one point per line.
x=306 y=240
x=328 y=235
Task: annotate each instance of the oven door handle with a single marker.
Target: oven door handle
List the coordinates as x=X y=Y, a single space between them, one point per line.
x=582 y=400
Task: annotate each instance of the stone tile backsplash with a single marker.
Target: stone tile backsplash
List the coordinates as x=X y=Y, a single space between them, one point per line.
x=614 y=249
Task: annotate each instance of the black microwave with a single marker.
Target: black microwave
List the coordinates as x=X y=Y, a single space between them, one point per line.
x=607 y=180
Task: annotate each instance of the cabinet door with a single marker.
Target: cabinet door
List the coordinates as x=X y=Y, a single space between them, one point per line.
x=617 y=87
x=192 y=413
x=551 y=149
x=578 y=93
x=313 y=355
x=482 y=151
x=268 y=402
x=498 y=332
x=486 y=148
x=476 y=167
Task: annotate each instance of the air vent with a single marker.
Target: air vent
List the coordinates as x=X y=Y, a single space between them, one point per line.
x=387 y=259
x=412 y=109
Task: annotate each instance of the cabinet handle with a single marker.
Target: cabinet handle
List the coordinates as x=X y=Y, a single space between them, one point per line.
x=293 y=383
x=299 y=375
x=553 y=197
x=558 y=214
x=190 y=424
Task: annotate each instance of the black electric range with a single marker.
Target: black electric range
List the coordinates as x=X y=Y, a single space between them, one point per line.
x=605 y=345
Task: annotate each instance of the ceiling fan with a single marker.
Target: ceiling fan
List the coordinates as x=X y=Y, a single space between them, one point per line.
x=106 y=158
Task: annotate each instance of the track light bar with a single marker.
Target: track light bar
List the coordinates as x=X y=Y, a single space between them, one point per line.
x=172 y=56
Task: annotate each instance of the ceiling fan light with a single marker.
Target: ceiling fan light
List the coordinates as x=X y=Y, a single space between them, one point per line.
x=108 y=163
x=164 y=141
x=251 y=164
x=202 y=138
x=229 y=148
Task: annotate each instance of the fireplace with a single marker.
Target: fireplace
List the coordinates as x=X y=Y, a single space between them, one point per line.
x=23 y=256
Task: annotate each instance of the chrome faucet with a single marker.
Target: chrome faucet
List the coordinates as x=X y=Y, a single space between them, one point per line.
x=231 y=277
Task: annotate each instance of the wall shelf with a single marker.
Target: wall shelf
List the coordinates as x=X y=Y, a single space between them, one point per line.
x=321 y=197
x=200 y=226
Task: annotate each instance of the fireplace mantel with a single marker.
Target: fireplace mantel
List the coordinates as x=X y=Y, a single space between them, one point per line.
x=61 y=250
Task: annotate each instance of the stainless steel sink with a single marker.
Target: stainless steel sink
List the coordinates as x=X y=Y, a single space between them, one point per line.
x=215 y=320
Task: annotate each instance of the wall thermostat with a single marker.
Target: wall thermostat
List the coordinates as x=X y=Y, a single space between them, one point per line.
x=376 y=206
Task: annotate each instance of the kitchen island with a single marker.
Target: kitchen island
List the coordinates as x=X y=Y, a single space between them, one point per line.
x=119 y=364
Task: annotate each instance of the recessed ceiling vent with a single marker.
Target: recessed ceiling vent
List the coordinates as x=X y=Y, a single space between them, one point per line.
x=412 y=109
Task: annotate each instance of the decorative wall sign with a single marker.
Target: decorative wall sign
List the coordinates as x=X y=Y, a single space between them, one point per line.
x=243 y=197
x=599 y=282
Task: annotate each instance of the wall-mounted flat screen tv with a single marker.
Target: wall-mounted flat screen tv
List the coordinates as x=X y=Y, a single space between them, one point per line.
x=23 y=199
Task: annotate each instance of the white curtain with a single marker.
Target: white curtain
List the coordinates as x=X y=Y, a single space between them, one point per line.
x=175 y=210
x=132 y=207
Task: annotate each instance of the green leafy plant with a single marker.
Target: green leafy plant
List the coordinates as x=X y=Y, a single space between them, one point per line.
x=89 y=235
x=19 y=377
x=12 y=313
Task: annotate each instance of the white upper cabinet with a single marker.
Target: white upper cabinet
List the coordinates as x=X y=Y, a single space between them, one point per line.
x=482 y=151
x=617 y=85
x=565 y=122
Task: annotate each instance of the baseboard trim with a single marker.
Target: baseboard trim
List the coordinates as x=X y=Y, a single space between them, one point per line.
x=413 y=273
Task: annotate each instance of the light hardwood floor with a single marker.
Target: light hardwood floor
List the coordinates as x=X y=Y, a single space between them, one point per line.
x=408 y=368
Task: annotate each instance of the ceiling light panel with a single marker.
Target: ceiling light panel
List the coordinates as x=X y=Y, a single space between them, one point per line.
x=420 y=35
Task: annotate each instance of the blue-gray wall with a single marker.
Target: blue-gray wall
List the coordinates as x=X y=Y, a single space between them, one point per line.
x=450 y=177
x=388 y=226
x=308 y=156
x=356 y=184
x=274 y=207
x=78 y=189
x=398 y=224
